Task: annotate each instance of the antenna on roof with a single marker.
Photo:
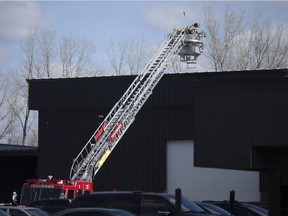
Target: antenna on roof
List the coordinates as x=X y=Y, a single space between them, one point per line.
x=184 y=14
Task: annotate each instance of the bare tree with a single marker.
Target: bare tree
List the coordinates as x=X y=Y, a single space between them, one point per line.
x=29 y=54
x=8 y=113
x=35 y=62
x=39 y=60
x=136 y=55
x=117 y=54
x=127 y=56
x=222 y=43
x=270 y=47
x=23 y=124
x=38 y=54
x=75 y=55
x=240 y=42
x=45 y=53
x=67 y=53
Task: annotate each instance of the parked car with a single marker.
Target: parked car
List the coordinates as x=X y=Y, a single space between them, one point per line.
x=93 y=212
x=23 y=211
x=140 y=203
x=51 y=205
x=264 y=205
x=214 y=209
x=255 y=208
x=242 y=209
x=3 y=213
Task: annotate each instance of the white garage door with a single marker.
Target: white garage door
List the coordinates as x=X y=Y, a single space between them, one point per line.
x=206 y=183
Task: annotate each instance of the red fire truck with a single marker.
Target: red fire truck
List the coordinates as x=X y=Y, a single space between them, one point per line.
x=188 y=45
x=36 y=189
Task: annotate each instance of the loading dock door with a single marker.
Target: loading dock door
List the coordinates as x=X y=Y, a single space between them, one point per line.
x=206 y=183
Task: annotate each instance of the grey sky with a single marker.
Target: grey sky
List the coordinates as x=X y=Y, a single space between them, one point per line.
x=103 y=20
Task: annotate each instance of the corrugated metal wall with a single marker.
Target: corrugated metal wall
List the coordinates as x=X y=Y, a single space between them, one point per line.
x=70 y=110
x=104 y=92
x=69 y=114
x=242 y=116
x=14 y=170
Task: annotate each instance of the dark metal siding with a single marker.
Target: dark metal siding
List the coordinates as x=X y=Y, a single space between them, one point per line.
x=270 y=113
x=138 y=161
x=213 y=109
x=236 y=117
x=62 y=134
x=222 y=125
x=94 y=92
x=76 y=93
x=14 y=170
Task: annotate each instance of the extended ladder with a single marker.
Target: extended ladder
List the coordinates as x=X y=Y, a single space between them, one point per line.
x=105 y=138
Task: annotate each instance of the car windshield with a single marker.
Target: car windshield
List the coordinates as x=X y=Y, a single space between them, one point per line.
x=186 y=204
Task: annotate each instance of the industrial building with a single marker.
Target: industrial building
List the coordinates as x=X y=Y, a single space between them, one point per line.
x=225 y=122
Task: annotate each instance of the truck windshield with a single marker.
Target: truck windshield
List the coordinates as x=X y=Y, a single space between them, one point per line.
x=29 y=195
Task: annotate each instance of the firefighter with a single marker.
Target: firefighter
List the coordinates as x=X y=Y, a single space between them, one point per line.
x=192 y=28
x=14 y=199
x=189 y=29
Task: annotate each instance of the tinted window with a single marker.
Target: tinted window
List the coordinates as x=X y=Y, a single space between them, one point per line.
x=70 y=194
x=238 y=210
x=79 y=192
x=30 y=194
x=15 y=212
x=257 y=209
x=127 y=202
x=186 y=204
x=90 y=201
x=152 y=205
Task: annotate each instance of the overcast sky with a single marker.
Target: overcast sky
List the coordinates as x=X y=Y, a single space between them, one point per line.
x=102 y=20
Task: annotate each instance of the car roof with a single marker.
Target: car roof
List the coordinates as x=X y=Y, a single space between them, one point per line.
x=19 y=207
x=130 y=192
x=96 y=209
x=50 y=201
x=16 y=207
x=54 y=200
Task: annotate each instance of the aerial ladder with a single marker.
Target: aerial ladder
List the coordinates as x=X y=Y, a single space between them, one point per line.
x=185 y=43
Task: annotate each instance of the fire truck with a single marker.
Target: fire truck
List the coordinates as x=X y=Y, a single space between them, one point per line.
x=183 y=42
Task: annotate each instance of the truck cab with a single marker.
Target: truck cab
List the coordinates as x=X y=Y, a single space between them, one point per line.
x=37 y=189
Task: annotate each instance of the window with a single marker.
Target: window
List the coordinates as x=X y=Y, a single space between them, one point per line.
x=70 y=194
x=154 y=206
x=79 y=192
x=90 y=201
x=128 y=203
x=15 y=212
